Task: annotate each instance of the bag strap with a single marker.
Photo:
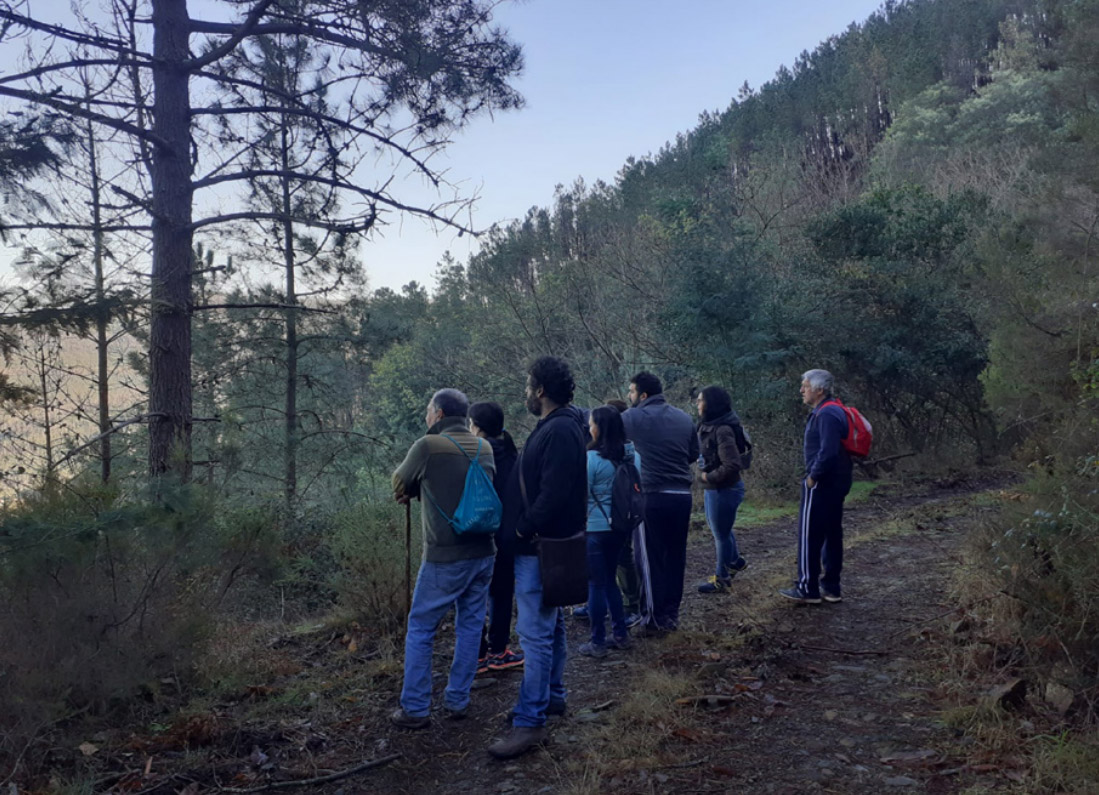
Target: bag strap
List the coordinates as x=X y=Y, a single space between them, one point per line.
x=473 y=459
x=522 y=481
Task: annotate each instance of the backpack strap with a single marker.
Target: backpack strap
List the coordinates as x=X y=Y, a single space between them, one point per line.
x=473 y=459
x=599 y=502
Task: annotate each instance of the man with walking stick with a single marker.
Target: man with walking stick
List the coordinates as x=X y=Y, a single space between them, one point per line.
x=457 y=566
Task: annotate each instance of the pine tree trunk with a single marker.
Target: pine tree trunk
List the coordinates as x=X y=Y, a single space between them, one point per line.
x=101 y=315
x=170 y=414
x=291 y=337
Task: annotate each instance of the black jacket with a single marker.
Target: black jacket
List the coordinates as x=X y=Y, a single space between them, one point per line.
x=504 y=454
x=554 y=469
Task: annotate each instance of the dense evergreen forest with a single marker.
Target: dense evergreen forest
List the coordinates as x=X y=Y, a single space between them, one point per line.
x=913 y=205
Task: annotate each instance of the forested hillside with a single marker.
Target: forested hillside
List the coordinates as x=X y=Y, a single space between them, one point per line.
x=913 y=205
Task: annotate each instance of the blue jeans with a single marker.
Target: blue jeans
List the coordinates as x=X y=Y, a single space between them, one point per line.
x=463 y=584
x=542 y=634
x=603 y=594
x=721 y=508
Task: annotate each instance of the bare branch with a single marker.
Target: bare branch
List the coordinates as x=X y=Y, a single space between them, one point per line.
x=246 y=28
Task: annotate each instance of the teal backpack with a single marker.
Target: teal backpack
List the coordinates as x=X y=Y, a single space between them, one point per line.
x=479 y=510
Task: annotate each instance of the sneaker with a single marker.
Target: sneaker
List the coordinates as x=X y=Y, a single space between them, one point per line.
x=456 y=714
x=621 y=643
x=482 y=666
x=403 y=720
x=519 y=740
x=714 y=585
x=798 y=596
x=632 y=620
x=504 y=660
x=581 y=612
x=593 y=649
x=740 y=565
x=830 y=596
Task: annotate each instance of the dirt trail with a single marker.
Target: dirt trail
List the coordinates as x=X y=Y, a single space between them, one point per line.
x=818 y=696
x=830 y=698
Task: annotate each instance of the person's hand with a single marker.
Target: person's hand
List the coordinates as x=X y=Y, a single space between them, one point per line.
x=809 y=482
x=403 y=499
x=702 y=477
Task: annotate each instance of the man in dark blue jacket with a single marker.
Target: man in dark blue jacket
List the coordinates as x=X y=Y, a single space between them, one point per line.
x=665 y=439
x=827 y=482
x=550 y=479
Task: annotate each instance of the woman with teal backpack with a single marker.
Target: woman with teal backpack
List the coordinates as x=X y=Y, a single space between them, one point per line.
x=606 y=452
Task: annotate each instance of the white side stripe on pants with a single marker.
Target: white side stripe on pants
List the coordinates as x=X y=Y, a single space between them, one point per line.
x=803 y=557
x=646 y=574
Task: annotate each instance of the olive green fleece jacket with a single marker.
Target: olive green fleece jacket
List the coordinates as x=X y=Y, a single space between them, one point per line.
x=435 y=469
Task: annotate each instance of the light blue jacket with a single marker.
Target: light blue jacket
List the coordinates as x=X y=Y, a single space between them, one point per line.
x=600 y=483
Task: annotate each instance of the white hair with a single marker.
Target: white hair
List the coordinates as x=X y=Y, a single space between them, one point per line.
x=819 y=379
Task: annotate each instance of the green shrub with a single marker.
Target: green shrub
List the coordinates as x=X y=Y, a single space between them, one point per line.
x=103 y=597
x=1044 y=554
x=368 y=545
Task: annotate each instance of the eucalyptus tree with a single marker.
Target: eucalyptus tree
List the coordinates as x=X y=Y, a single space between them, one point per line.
x=405 y=74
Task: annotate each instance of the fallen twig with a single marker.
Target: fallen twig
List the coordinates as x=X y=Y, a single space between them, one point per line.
x=949 y=612
x=681 y=765
x=303 y=782
x=856 y=652
x=713 y=699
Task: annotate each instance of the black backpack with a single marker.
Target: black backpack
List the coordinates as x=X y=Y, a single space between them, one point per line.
x=627 y=499
x=743 y=445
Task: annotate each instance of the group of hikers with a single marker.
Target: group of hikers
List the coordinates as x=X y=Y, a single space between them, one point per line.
x=612 y=489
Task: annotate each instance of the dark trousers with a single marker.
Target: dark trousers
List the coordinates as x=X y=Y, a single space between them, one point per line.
x=662 y=557
x=501 y=604
x=820 y=538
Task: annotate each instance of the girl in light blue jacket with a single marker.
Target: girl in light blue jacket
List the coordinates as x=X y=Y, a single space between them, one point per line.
x=606 y=452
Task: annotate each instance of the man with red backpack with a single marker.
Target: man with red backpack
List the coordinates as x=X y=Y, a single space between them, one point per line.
x=829 y=439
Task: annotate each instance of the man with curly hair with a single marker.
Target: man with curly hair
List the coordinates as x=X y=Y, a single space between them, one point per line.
x=549 y=488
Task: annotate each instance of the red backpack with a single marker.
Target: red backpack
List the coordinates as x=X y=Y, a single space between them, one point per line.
x=860 y=434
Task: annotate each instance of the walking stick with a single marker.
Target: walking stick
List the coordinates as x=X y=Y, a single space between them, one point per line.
x=408 y=556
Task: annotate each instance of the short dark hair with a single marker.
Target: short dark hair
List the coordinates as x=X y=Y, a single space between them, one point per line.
x=618 y=403
x=647 y=383
x=554 y=376
x=451 y=402
x=489 y=417
x=611 y=443
x=717 y=402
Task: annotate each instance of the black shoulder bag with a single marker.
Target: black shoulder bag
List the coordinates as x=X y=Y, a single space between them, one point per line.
x=563 y=562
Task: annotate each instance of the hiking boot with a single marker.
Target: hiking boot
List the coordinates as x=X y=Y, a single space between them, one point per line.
x=403 y=720
x=740 y=565
x=632 y=620
x=504 y=660
x=799 y=596
x=652 y=630
x=581 y=612
x=519 y=740
x=593 y=649
x=621 y=643
x=830 y=596
x=456 y=714
x=714 y=585
x=556 y=708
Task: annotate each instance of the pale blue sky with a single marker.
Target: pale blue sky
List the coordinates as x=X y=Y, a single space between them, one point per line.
x=604 y=80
